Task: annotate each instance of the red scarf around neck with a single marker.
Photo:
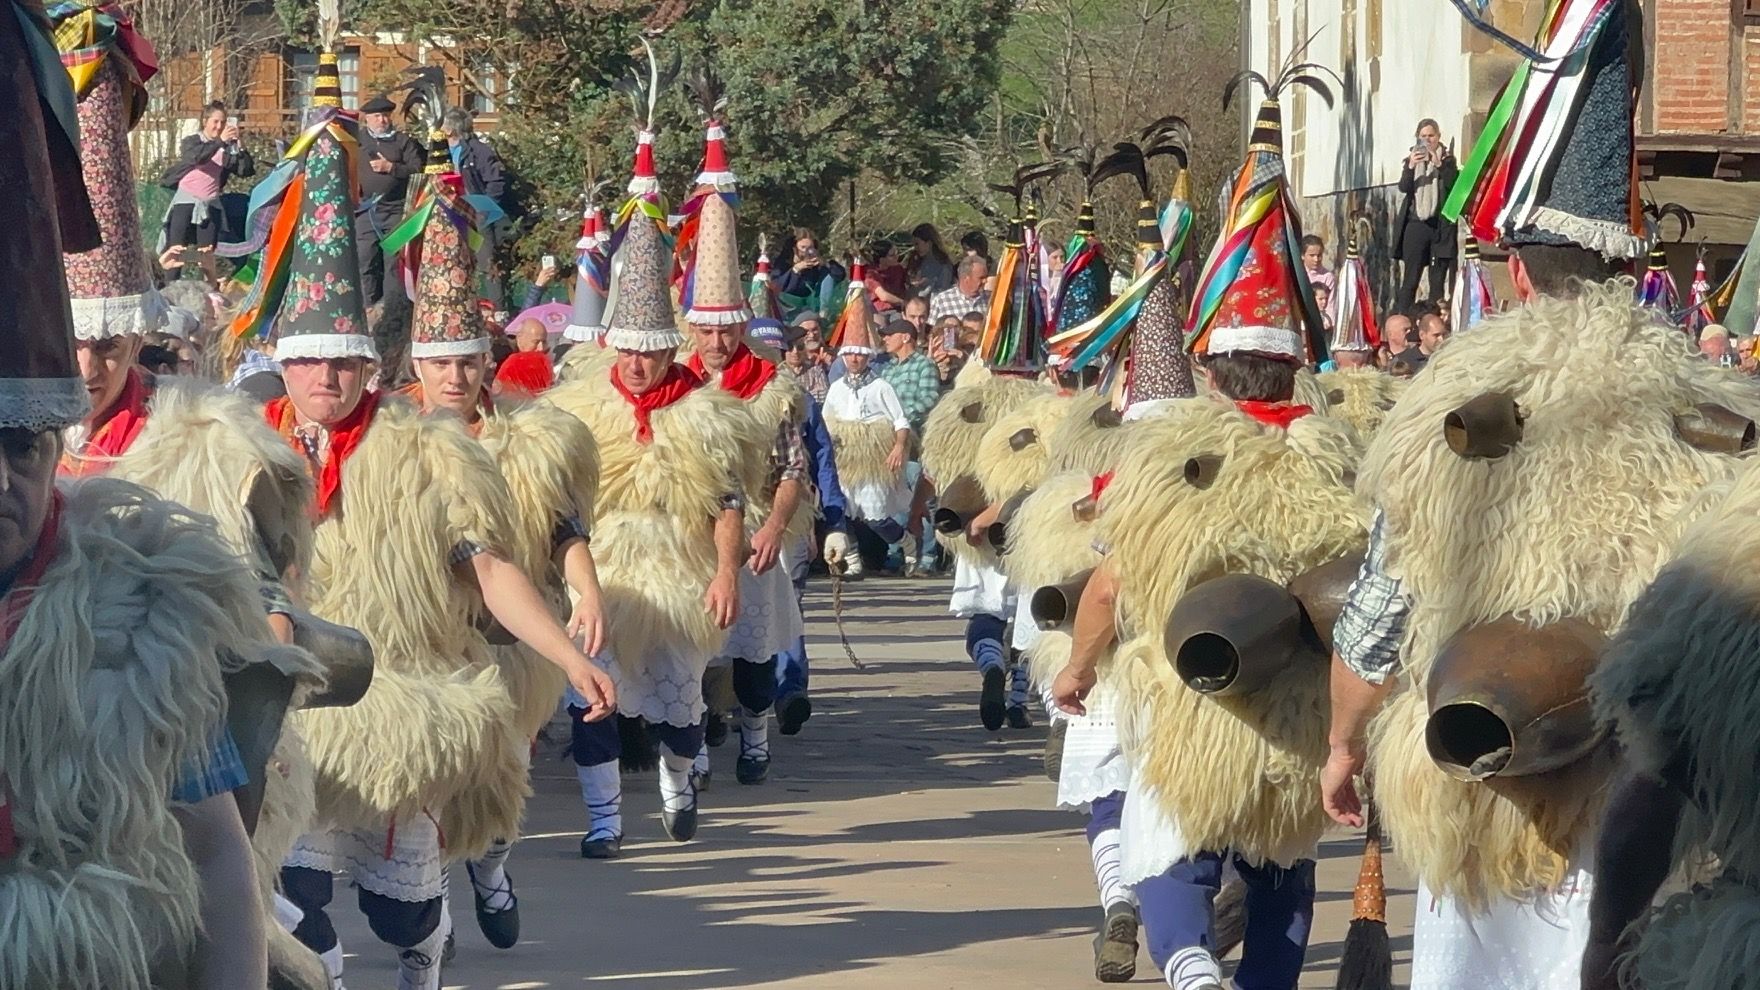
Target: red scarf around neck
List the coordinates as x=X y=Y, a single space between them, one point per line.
x=677 y=383
x=114 y=430
x=1278 y=414
x=344 y=438
x=746 y=373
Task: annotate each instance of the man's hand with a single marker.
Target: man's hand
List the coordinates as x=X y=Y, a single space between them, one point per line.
x=977 y=531
x=766 y=548
x=836 y=549
x=380 y=163
x=546 y=274
x=173 y=256
x=1071 y=687
x=722 y=599
x=595 y=686
x=895 y=458
x=586 y=625
x=1338 y=786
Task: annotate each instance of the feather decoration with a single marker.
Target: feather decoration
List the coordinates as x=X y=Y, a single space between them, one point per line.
x=329 y=23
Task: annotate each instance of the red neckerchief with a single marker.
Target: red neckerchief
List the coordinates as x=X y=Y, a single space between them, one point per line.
x=485 y=405
x=13 y=606
x=677 y=383
x=1278 y=414
x=113 y=431
x=746 y=373
x=1100 y=483
x=344 y=438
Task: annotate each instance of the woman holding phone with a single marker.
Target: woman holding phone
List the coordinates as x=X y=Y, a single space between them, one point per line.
x=1426 y=240
x=206 y=160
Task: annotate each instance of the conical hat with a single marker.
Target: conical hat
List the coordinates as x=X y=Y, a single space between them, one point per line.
x=45 y=208
x=1353 y=307
x=587 y=320
x=642 y=319
x=110 y=286
x=854 y=332
x=716 y=296
x=323 y=314
x=446 y=321
x=1159 y=367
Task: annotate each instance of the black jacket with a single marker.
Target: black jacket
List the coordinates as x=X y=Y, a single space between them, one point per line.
x=197 y=149
x=806 y=282
x=1446 y=174
x=385 y=190
x=480 y=165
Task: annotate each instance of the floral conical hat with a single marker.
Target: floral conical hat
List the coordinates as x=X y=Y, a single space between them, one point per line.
x=642 y=319
x=447 y=322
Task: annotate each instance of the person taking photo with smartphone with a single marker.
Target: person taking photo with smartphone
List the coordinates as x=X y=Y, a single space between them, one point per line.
x=206 y=160
x=1426 y=241
x=386 y=160
x=810 y=267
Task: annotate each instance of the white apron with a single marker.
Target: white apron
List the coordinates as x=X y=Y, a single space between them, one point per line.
x=1510 y=945
x=769 y=614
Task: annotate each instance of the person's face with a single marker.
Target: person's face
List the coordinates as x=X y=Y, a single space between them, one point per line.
x=1714 y=347
x=796 y=355
x=973 y=280
x=1312 y=255
x=717 y=344
x=896 y=343
x=969 y=331
x=642 y=370
x=855 y=364
x=916 y=312
x=921 y=247
x=1351 y=359
x=1401 y=369
x=1432 y=333
x=1430 y=136
x=213 y=124
x=453 y=383
x=812 y=337
x=325 y=390
x=27 y=484
x=1396 y=328
x=1055 y=257
x=1322 y=298
x=531 y=336
x=378 y=123
x=104 y=365
x=806 y=249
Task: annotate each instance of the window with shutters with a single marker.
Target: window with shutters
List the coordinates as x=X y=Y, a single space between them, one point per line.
x=302 y=71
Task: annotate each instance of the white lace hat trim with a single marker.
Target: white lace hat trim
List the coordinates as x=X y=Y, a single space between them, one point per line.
x=448 y=348
x=318 y=346
x=855 y=349
x=582 y=335
x=114 y=316
x=1270 y=341
x=646 y=341
x=718 y=316
x=41 y=404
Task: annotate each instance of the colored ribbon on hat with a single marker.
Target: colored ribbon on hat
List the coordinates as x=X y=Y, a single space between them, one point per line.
x=86 y=34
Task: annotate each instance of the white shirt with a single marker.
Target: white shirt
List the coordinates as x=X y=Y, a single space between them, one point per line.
x=875 y=401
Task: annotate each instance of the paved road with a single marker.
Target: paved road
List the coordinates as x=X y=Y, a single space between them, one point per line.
x=897 y=844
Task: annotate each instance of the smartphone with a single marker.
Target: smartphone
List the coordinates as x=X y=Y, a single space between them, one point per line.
x=232 y=122
x=949 y=338
x=549 y=261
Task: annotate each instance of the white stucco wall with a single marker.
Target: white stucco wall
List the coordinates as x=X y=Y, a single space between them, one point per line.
x=1362 y=139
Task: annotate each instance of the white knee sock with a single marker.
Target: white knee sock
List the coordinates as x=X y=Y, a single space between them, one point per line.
x=1194 y=968
x=418 y=967
x=1108 y=869
x=489 y=876
x=602 y=791
x=701 y=766
x=676 y=792
x=445 y=903
x=754 y=735
x=287 y=914
x=332 y=960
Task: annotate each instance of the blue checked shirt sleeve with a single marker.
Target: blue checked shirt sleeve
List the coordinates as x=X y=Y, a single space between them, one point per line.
x=1369 y=629
x=222 y=771
x=569 y=527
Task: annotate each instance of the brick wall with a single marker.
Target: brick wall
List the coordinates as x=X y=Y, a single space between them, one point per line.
x=1690 y=85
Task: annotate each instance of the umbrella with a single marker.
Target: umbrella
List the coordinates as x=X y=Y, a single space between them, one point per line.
x=554 y=316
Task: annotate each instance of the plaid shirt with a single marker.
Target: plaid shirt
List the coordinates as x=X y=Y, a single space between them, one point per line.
x=918 y=384
x=954 y=303
x=789 y=457
x=223 y=771
x=1373 y=622
x=814 y=379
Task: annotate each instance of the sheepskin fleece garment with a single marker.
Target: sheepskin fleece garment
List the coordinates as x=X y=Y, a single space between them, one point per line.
x=951 y=434
x=111 y=685
x=584 y=362
x=436 y=732
x=1311 y=393
x=1599 y=384
x=1013 y=454
x=550 y=462
x=654 y=534
x=1361 y=397
x=872 y=489
x=1087 y=439
x=1231 y=772
x=781 y=401
x=1707 y=938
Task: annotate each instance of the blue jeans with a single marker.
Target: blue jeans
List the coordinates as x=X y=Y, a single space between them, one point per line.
x=1177 y=911
x=791 y=664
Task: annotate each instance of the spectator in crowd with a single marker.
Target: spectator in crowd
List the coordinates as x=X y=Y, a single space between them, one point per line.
x=973 y=242
x=1715 y=347
x=800 y=360
x=944 y=349
x=480 y=166
x=812 y=328
x=1432 y=332
x=540 y=286
x=1397 y=331
x=886 y=280
x=971 y=330
x=1406 y=363
x=1426 y=240
x=809 y=269
x=384 y=163
x=916 y=313
x=930 y=269
x=206 y=160
x=1314 y=262
x=1054 y=261
x=912 y=374
x=968 y=292
x=1323 y=302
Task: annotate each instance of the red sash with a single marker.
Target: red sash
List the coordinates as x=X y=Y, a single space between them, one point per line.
x=344 y=438
x=746 y=373
x=678 y=382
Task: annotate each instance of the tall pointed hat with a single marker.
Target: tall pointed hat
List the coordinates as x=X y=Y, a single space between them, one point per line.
x=446 y=320
x=1253 y=296
x=761 y=295
x=308 y=287
x=1085 y=285
x=642 y=317
x=708 y=240
x=1353 y=304
x=1700 y=313
x=853 y=333
x=1472 y=299
x=47 y=211
x=1013 y=338
x=1657 y=289
x=109 y=65
x=592 y=277
x=1555 y=162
